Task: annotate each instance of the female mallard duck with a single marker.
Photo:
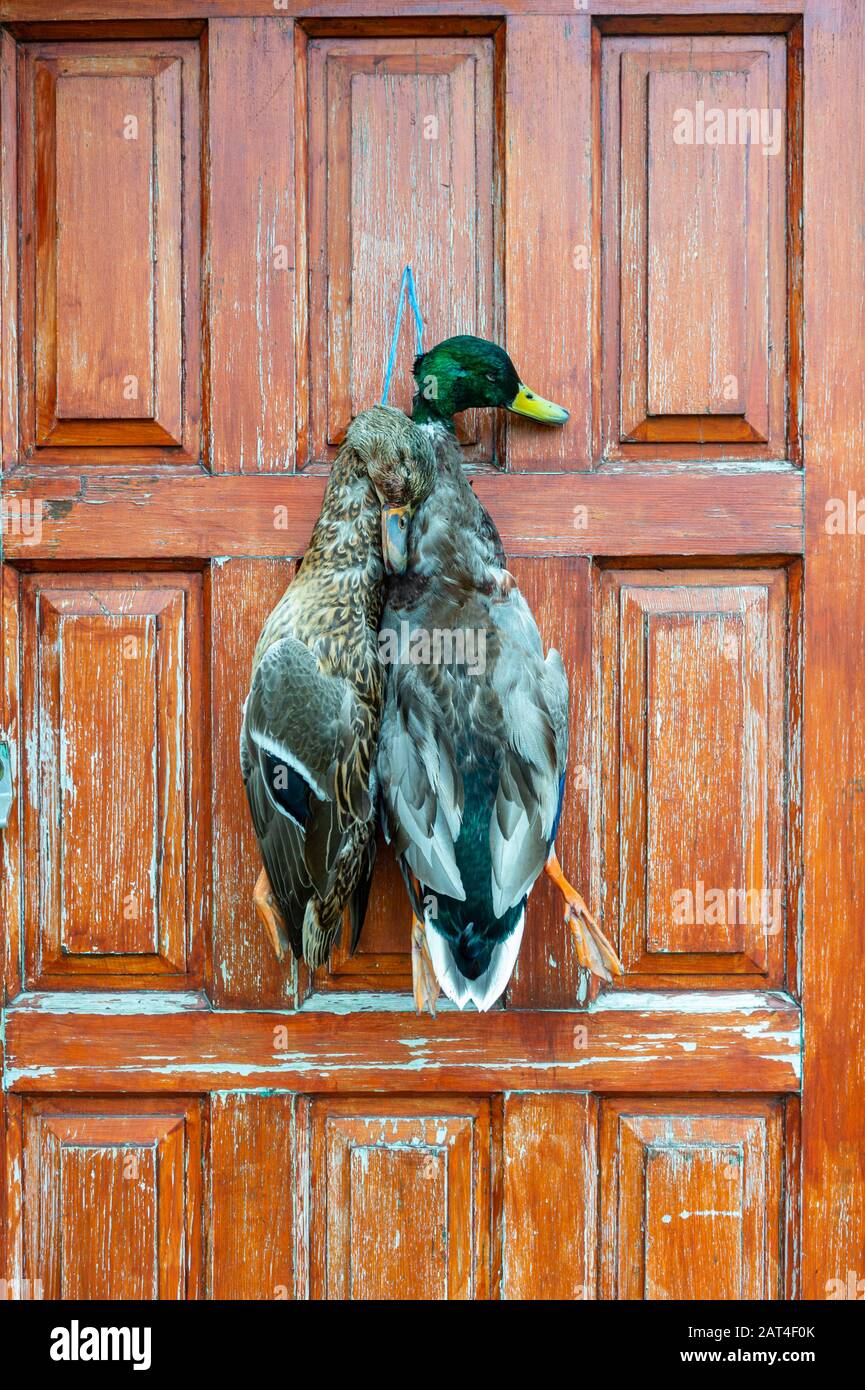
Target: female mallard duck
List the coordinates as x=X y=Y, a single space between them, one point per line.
x=311 y=719
x=473 y=745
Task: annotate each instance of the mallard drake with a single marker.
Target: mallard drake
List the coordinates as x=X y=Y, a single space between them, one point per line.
x=474 y=736
x=311 y=718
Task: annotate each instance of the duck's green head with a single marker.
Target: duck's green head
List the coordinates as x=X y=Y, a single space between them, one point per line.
x=467 y=373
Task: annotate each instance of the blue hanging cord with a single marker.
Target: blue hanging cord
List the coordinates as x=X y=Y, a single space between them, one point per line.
x=406 y=284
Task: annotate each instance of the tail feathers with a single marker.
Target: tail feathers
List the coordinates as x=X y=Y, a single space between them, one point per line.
x=453 y=983
x=321 y=924
x=489 y=986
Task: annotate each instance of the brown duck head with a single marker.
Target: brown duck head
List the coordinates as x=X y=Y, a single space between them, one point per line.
x=401 y=466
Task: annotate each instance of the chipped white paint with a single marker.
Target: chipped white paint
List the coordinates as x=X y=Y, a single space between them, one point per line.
x=687 y=1215
x=691 y=1002
x=85 y=1002
x=352 y=1003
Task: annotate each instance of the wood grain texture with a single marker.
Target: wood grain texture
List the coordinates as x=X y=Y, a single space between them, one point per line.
x=401 y=170
x=549 y=262
x=638 y=1042
x=400 y=1198
x=300 y=1132
x=33 y=10
x=103 y=783
x=691 y=1198
x=103 y=366
x=113 y=782
x=611 y=514
x=681 y=379
x=13 y=1192
x=8 y=251
x=694 y=750
x=251 y=1197
x=252 y=244
x=244 y=972
x=10 y=840
x=694 y=305
x=549 y=1219
x=94 y=324
x=833 y=1192
x=791 y=1184
x=112 y=1198
x=6 y=1262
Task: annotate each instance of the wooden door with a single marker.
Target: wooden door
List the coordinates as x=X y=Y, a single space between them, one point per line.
x=204 y=221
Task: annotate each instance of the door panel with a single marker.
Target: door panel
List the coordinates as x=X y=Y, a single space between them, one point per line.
x=401 y=154
x=113 y=780
x=215 y=211
x=691 y=1199
x=104 y=370
x=400 y=1198
x=695 y=223
x=694 y=743
x=112 y=1199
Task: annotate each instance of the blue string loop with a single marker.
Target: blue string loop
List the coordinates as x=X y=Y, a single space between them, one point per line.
x=406 y=284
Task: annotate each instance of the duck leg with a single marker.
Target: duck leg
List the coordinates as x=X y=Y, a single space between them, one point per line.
x=594 y=951
x=269 y=914
x=424 y=982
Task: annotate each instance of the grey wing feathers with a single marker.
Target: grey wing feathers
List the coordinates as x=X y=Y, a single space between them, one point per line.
x=534 y=703
x=297 y=713
x=519 y=706
x=297 y=716
x=422 y=794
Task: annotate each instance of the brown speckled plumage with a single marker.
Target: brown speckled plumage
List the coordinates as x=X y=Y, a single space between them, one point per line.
x=313 y=711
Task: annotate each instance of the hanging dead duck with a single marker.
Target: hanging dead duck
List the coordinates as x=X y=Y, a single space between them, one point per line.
x=472 y=761
x=311 y=719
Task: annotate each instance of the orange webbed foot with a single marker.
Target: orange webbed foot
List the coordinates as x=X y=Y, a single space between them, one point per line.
x=594 y=951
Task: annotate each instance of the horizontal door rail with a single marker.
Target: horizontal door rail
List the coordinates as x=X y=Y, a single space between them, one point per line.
x=592 y=513
x=650 y=1043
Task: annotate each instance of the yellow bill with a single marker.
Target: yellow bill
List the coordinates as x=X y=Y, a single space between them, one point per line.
x=527 y=402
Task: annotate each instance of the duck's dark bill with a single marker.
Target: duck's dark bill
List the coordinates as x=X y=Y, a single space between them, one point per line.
x=394 y=538
x=526 y=402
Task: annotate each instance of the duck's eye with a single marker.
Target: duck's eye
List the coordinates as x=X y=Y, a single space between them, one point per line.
x=491 y=376
x=402 y=523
